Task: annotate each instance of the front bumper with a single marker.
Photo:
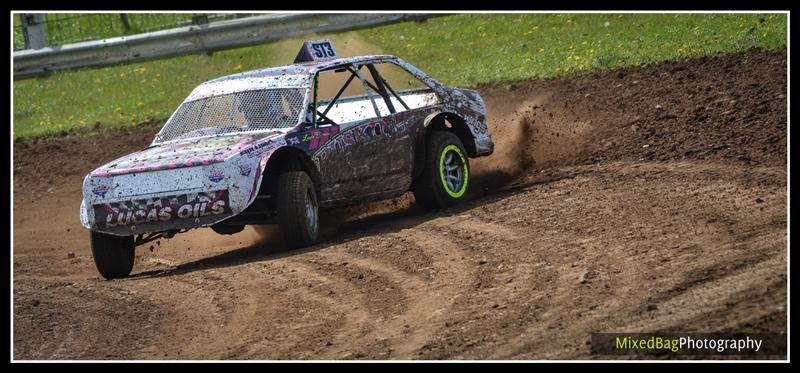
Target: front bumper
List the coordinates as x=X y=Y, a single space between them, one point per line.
x=159 y=213
x=164 y=200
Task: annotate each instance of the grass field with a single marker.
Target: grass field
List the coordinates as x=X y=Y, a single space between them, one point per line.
x=463 y=50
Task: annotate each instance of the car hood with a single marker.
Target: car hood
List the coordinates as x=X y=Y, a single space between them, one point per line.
x=193 y=152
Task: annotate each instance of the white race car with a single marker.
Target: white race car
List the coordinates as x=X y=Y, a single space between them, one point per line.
x=275 y=145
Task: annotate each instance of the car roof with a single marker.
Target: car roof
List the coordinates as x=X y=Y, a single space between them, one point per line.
x=303 y=68
x=297 y=75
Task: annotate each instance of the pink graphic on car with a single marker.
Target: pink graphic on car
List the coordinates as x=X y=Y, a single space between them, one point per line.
x=203 y=151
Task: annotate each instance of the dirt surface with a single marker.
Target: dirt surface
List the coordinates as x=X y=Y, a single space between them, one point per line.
x=645 y=199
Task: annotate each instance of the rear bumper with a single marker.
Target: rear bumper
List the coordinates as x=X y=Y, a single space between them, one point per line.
x=484 y=146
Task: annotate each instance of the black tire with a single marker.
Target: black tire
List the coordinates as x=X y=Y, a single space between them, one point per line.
x=431 y=190
x=113 y=255
x=298 y=212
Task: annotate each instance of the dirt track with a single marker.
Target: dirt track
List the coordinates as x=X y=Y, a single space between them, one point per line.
x=647 y=199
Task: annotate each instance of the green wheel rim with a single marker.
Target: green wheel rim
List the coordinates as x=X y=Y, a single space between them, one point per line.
x=453 y=171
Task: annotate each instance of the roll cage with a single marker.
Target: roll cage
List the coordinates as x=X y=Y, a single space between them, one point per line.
x=381 y=87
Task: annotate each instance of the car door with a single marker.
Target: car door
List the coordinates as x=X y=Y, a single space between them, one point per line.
x=408 y=100
x=352 y=163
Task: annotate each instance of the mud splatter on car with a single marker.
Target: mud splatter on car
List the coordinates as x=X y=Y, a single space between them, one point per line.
x=270 y=146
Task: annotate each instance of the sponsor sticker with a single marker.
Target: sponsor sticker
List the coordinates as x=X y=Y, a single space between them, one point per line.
x=162 y=209
x=101 y=190
x=260 y=148
x=216 y=175
x=244 y=170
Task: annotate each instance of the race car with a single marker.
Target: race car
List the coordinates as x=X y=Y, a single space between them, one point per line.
x=277 y=145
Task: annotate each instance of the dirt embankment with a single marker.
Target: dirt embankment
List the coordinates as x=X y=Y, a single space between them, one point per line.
x=642 y=199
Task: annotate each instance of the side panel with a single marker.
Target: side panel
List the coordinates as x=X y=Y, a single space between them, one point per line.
x=310 y=140
x=346 y=157
x=372 y=158
x=407 y=127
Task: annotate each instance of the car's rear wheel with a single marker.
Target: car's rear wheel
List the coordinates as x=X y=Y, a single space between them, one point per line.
x=113 y=255
x=445 y=177
x=298 y=213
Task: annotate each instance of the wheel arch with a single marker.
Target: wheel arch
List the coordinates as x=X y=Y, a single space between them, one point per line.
x=442 y=121
x=448 y=121
x=288 y=158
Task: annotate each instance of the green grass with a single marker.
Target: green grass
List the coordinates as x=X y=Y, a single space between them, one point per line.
x=461 y=50
x=467 y=50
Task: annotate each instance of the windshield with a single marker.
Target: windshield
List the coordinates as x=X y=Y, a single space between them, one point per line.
x=254 y=110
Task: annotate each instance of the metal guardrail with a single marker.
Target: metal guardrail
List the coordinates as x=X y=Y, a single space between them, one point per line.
x=192 y=39
x=67 y=28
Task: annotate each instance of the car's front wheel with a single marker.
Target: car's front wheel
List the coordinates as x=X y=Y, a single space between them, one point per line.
x=445 y=178
x=298 y=213
x=113 y=255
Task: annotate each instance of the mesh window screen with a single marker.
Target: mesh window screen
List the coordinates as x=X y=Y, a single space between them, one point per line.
x=263 y=109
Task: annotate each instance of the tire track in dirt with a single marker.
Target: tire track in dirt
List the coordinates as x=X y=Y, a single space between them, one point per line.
x=200 y=303
x=586 y=258
x=490 y=283
x=400 y=331
x=301 y=303
x=336 y=300
x=60 y=318
x=643 y=272
x=367 y=289
x=435 y=304
x=241 y=325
